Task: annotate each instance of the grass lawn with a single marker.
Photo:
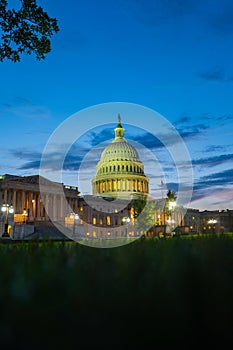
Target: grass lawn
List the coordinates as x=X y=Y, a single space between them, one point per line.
x=149 y=292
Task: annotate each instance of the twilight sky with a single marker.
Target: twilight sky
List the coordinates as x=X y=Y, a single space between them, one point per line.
x=174 y=57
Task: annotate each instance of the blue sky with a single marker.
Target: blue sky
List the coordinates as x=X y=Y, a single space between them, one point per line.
x=172 y=56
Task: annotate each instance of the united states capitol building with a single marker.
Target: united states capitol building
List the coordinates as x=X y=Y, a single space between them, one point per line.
x=111 y=210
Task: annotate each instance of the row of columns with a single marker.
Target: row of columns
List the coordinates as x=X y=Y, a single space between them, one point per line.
x=120 y=185
x=53 y=206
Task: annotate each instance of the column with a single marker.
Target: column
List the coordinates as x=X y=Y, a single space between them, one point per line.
x=5 y=199
x=130 y=183
x=54 y=207
x=62 y=214
x=23 y=201
x=14 y=199
x=38 y=207
x=46 y=206
x=30 y=206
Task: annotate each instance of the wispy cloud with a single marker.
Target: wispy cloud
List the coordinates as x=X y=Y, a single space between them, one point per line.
x=219 y=181
x=213 y=74
x=217 y=74
x=183 y=120
x=212 y=161
x=214 y=148
x=97 y=139
x=219 y=178
x=24 y=108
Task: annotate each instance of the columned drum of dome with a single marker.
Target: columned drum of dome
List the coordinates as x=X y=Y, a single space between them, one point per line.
x=120 y=172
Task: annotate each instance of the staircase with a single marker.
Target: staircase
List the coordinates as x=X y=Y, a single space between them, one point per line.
x=47 y=230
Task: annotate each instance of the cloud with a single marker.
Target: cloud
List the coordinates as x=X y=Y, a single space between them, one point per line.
x=220 y=178
x=25 y=154
x=212 y=161
x=32 y=159
x=95 y=140
x=217 y=74
x=191 y=133
x=24 y=108
x=219 y=181
x=51 y=161
x=214 y=74
x=224 y=118
x=214 y=148
x=100 y=135
x=30 y=165
x=183 y=120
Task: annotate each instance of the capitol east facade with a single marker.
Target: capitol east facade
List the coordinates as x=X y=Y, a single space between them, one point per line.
x=110 y=211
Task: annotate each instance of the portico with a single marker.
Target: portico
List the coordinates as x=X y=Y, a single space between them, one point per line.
x=23 y=192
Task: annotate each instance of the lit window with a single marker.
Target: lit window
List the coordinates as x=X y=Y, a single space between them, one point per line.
x=108 y=220
x=94 y=221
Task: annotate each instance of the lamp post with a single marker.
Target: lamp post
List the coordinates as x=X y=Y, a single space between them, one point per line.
x=126 y=220
x=25 y=214
x=212 y=222
x=6 y=209
x=172 y=205
x=76 y=218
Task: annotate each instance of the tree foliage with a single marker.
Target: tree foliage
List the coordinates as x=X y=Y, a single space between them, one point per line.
x=171 y=197
x=27 y=30
x=143 y=213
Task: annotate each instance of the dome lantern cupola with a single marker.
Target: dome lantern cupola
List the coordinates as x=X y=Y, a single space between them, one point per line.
x=119 y=130
x=120 y=172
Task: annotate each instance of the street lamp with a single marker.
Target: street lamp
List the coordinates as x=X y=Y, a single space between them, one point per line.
x=212 y=222
x=76 y=218
x=172 y=205
x=126 y=220
x=25 y=214
x=6 y=209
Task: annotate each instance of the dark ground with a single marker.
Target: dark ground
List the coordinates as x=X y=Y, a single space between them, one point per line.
x=147 y=293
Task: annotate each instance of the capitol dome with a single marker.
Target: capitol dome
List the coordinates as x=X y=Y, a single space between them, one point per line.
x=120 y=172
x=119 y=150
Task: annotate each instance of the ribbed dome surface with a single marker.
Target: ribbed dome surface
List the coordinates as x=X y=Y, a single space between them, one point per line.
x=119 y=150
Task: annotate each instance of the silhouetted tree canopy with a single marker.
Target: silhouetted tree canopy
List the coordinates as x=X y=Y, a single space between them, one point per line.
x=171 y=197
x=26 y=30
x=143 y=213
